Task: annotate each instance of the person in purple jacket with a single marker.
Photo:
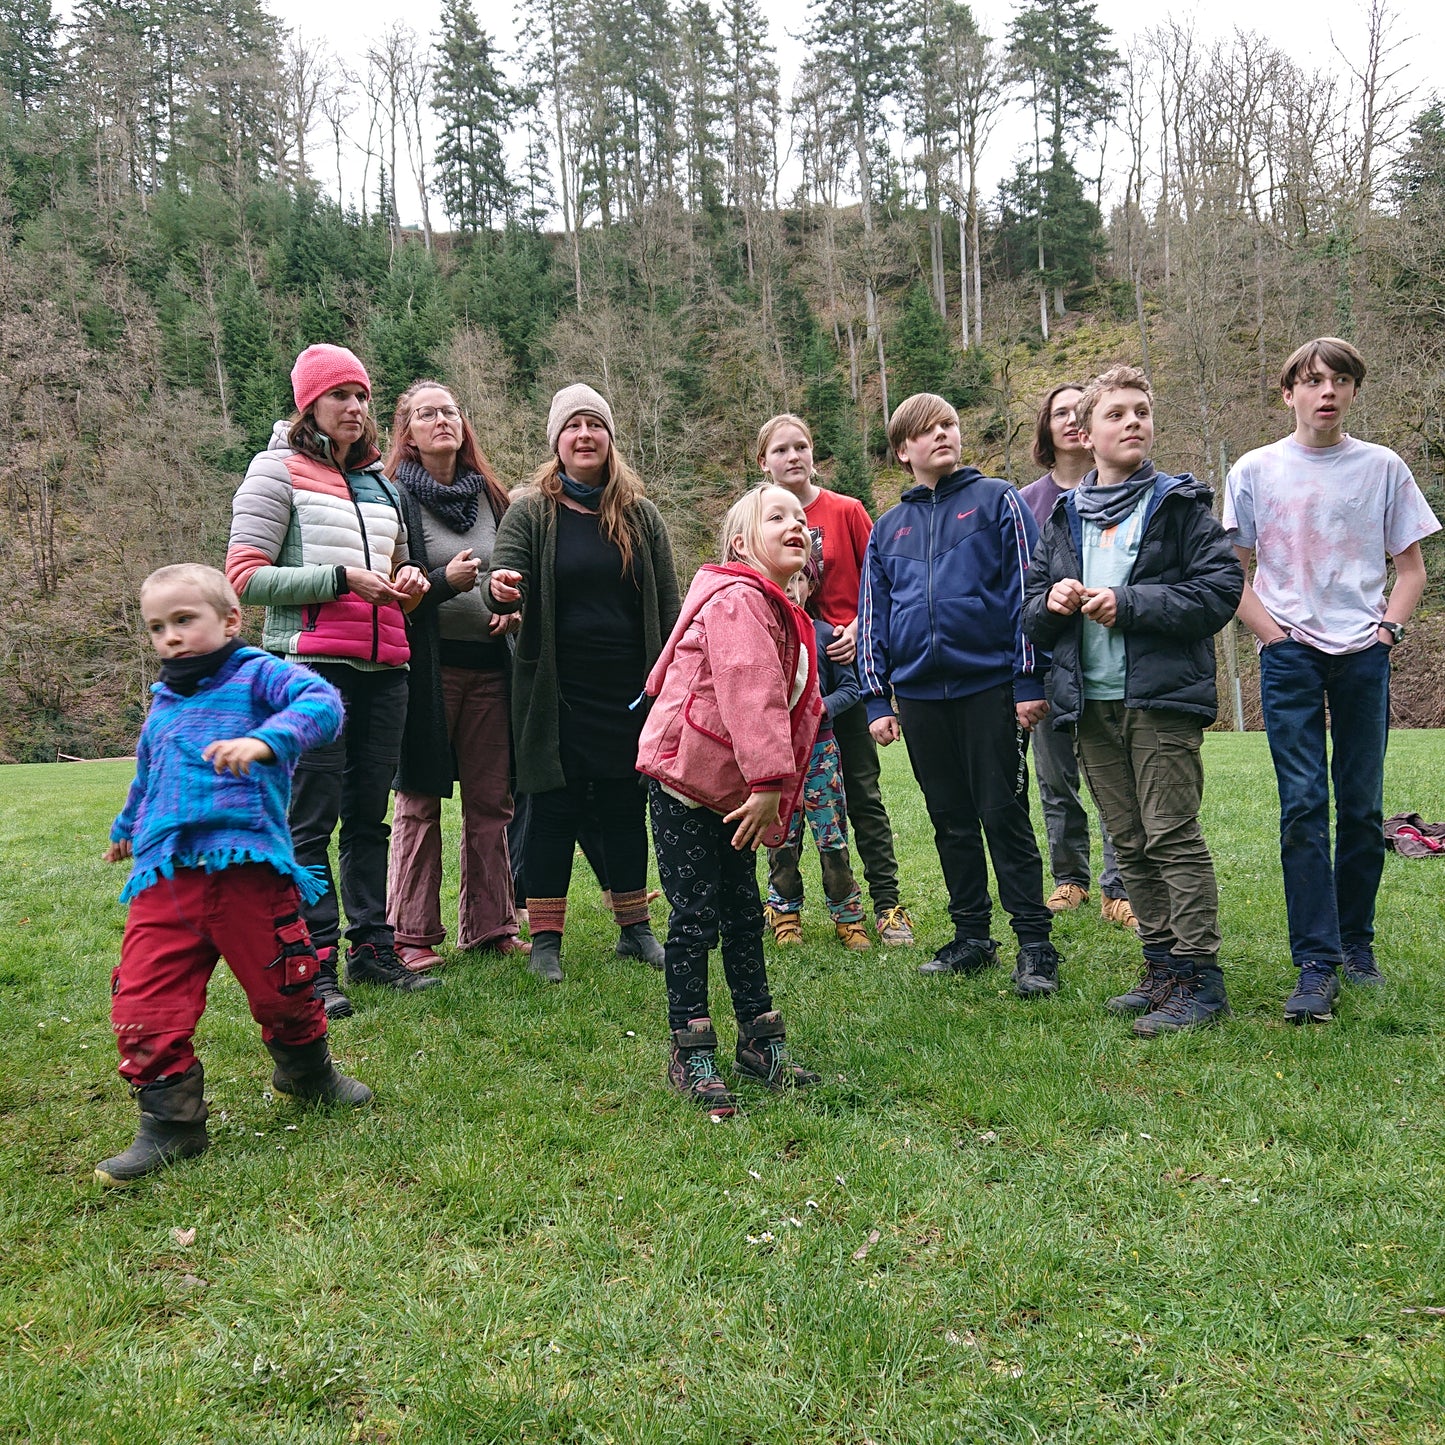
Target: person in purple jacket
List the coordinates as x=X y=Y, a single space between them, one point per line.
x=1057 y=446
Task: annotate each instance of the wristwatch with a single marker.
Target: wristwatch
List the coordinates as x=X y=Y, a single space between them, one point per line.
x=1395 y=629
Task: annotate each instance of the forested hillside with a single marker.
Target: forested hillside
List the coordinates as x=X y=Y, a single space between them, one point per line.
x=634 y=201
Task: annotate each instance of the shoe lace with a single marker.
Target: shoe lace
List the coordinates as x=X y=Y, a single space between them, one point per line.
x=1315 y=978
x=703 y=1067
x=894 y=917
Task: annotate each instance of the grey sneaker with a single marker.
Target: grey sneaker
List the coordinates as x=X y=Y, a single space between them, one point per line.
x=895 y=927
x=1314 y=995
x=1360 y=967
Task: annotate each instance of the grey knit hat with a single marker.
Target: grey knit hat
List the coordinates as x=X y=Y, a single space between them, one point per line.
x=571 y=400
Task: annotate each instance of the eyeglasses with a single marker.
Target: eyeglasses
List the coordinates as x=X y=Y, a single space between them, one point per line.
x=430 y=413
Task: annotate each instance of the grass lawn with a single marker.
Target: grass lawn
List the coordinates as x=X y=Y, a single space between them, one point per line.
x=1075 y=1235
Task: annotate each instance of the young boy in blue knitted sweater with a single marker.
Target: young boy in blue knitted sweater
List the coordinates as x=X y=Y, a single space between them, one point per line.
x=213 y=869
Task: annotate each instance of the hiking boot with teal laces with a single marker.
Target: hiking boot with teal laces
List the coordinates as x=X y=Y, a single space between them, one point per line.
x=692 y=1069
x=1313 y=998
x=762 y=1054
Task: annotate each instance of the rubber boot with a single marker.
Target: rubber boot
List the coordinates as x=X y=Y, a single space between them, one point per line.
x=637 y=940
x=545 y=960
x=173 y=1117
x=1195 y=1001
x=305 y=1072
x=692 y=1069
x=762 y=1054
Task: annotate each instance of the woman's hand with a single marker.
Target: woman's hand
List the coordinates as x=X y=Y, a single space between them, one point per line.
x=504 y=624
x=372 y=587
x=757 y=817
x=844 y=646
x=506 y=585
x=462 y=571
x=411 y=582
x=1067 y=597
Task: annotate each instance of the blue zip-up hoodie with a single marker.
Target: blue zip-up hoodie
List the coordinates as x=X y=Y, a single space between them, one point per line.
x=942 y=595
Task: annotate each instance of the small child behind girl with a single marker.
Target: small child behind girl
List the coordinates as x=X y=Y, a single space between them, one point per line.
x=734 y=717
x=823 y=801
x=213 y=870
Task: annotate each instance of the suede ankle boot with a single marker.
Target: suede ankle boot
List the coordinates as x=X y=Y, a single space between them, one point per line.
x=1195 y=1000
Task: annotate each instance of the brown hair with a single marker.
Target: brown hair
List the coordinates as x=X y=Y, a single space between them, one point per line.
x=306 y=437
x=1043 y=447
x=211 y=583
x=469 y=454
x=775 y=424
x=621 y=493
x=915 y=415
x=1331 y=351
x=1116 y=378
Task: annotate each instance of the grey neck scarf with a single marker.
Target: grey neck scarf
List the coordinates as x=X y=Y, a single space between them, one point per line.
x=1108 y=506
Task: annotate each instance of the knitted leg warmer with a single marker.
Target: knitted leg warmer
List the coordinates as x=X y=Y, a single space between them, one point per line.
x=628 y=907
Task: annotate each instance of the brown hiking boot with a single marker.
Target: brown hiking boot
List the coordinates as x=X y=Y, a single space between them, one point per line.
x=1117 y=910
x=692 y=1069
x=853 y=935
x=787 y=929
x=1066 y=897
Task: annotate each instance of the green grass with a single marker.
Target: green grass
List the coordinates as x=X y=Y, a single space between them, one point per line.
x=1080 y=1236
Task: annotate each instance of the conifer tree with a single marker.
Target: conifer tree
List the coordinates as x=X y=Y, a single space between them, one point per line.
x=477 y=108
x=29 y=56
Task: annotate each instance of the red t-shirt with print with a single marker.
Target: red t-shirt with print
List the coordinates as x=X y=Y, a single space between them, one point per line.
x=841 y=526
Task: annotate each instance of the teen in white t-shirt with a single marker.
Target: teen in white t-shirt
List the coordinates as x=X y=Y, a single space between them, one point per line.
x=1318 y=514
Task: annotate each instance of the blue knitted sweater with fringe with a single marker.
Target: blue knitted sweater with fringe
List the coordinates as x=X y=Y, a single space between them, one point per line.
x=182 y=813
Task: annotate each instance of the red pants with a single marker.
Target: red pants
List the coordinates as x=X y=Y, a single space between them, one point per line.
x=177 y=930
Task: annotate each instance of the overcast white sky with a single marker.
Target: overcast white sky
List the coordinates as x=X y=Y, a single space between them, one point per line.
x=1307 y=30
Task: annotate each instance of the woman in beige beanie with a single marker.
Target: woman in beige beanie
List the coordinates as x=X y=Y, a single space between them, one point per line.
x=586 y=558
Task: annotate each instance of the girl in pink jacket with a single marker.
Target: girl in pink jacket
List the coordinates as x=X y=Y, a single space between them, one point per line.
x=735 y=712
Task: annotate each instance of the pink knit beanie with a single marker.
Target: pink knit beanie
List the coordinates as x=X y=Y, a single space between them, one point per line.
x=321 y=367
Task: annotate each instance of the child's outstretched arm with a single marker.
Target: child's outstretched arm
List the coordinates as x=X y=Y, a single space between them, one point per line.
x=306 y=712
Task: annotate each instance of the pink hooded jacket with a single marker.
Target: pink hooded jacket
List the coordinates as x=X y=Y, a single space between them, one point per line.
x=720 y=726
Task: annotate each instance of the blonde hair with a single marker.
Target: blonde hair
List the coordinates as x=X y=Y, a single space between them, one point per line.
x=915 y=415
x=1116 y=378
x=215 y=590
x=775 y=424
x=745 y=519
x=621 y=493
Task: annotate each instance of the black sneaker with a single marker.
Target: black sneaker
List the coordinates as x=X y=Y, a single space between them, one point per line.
x=1314 y=994
x=328 y=989
x=1036 y=973
x=962 y=955
x=1359 y=967
x=377 y=963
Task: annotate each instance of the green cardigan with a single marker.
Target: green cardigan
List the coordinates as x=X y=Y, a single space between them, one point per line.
x=527 y=543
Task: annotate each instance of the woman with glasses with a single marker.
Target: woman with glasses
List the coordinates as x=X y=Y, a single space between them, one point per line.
x=457 y=713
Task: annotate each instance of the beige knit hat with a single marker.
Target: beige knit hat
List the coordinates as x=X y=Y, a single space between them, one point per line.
x=571 y=400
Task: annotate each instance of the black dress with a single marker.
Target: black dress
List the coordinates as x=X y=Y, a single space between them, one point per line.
x=601 y=666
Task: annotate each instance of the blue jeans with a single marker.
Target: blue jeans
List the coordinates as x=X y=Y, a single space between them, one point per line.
x=1328 y=905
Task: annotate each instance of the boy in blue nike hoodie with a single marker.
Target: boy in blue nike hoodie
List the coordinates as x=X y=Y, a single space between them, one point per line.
x=939 y=631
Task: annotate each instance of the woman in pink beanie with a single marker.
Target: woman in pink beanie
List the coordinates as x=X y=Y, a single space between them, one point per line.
x=317 y=538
